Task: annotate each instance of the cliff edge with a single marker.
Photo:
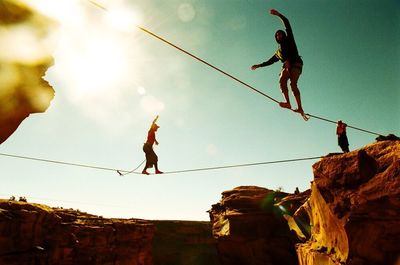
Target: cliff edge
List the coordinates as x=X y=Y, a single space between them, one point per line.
x=351 y=215
x=354 y=208
x=34 y=234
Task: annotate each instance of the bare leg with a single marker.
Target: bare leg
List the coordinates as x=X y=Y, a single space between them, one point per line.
x=283 y=78
x=294 y=77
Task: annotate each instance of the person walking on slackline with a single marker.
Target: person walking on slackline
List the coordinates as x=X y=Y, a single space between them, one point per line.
x=151 y=157
x=292 y=63
x=343 y=142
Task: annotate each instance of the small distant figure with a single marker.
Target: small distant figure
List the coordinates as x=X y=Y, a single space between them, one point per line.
x=343 y=142
x=151 y=157
x=292 y=63
x=297 y=191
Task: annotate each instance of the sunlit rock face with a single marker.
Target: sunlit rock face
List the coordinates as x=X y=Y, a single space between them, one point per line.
x=354 y=208
x=26 y=43
x=33 y=234
x=250 y=230
x=351 y=215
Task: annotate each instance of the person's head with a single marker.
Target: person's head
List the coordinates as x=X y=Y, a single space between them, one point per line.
x=280 y=35
x=339 y=122
x=154 y=127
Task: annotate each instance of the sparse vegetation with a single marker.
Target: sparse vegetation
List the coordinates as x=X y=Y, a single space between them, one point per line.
x=22 y=199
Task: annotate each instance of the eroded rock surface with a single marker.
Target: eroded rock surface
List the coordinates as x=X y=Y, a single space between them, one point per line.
x=250 y=230
x=354 y=208
x=33 y=234
x=351 y=216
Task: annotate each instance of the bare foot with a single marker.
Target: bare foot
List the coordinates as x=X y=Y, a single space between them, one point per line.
x=285 y=105
x=299 y=110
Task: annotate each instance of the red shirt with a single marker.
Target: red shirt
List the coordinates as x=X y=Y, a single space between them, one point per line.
x=151 y=136
x=341 y=128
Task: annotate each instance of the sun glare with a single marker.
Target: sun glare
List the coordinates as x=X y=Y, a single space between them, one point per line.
x=122 y=19
x=97 y=65
x=97 y=59
x=65 y=11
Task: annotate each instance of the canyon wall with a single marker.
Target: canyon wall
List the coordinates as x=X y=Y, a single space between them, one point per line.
x=33 y=234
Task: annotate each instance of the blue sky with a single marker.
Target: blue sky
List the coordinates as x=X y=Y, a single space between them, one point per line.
x=105 y=105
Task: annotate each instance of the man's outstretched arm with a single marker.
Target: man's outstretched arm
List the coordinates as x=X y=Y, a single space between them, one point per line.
x=285 y=21
x=272 y=60
x=154 y=121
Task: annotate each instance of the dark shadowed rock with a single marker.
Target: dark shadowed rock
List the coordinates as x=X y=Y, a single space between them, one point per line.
x=250 y=230
x=33 y=234
x=390 y=137
x=184 y=242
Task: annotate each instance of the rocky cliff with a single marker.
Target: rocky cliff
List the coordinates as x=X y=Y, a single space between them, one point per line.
x=250 y=230
x=351 y=215
x=33 y=234
x=354 y=208
x=25 y=55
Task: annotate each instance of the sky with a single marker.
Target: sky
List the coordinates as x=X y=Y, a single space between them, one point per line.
x=112 y=79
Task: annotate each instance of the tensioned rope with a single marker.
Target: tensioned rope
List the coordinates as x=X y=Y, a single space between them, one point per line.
x=125 y=172
x=229 y=75
x=63 y=163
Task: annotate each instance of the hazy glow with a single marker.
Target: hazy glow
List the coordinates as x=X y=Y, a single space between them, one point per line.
x=97 y=58
x=65 y=11
x=30 y=41
x=9 y=78
x=151 y=104
x=141 y=90
x=122 y=19
x=186 y=12
x=95 y=67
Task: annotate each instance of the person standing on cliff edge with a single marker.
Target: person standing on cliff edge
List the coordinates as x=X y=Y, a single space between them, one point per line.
x=151 y=157
x=292 y=63
x=343 y=142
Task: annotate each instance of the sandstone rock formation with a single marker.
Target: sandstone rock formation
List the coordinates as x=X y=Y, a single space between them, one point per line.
x=184 y=242
x=250 y=230
x=33 y=234
x=351 y=216
x=25 y=55
x=354 y=208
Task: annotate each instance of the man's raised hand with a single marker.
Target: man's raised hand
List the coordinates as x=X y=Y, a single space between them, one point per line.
x=274 y=12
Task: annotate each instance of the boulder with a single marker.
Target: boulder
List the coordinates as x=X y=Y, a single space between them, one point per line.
x=250 y=230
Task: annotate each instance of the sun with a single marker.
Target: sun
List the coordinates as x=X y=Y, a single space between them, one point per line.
x=95 y=50
x=95 y=65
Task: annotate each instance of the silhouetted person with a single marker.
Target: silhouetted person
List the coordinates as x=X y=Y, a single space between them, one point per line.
x=343 y=142
x=297 y=191
x=151 y=157
x=292 y=63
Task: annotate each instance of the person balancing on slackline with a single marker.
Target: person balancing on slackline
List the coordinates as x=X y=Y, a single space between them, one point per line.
x=151 y=157
x=292 y=63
